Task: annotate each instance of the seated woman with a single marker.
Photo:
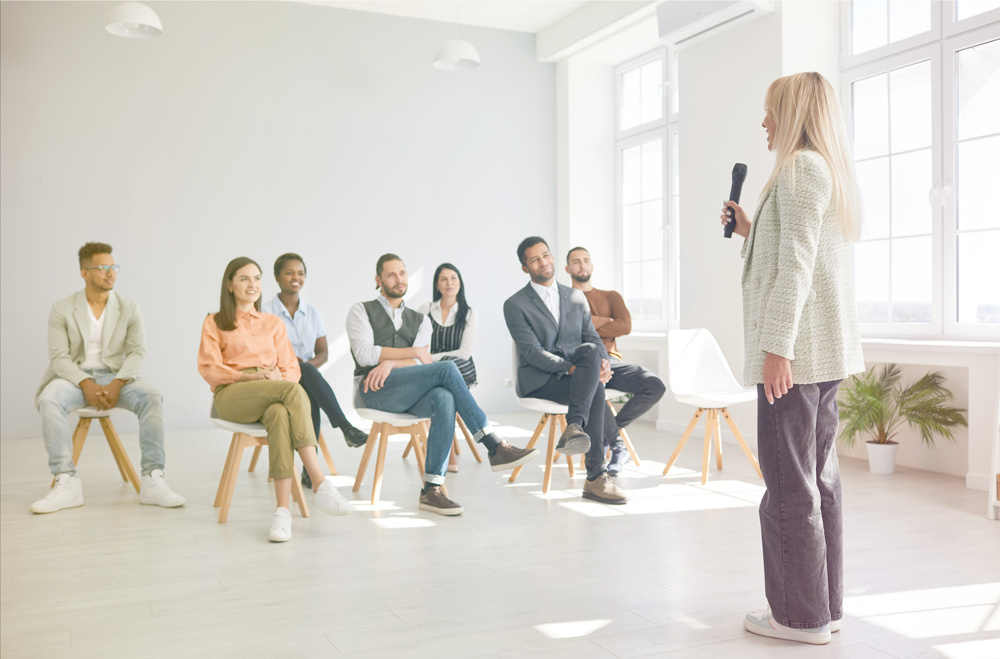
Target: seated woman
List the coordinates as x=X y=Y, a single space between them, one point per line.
x=246 y=356
x=454 y=328
x=307 y=333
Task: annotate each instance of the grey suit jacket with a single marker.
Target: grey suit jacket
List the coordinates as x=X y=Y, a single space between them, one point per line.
x=124 y=340
x=543 y=346
x=798 y=280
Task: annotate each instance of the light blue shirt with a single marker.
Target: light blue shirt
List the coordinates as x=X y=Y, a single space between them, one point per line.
x=303 y=329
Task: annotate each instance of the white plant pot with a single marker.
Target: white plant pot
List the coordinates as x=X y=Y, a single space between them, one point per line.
x=882 y=457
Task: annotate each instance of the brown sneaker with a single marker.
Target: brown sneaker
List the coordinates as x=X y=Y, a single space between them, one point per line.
x=603 y=489
x=509 y=457
x=434 y=500
x=573 y=440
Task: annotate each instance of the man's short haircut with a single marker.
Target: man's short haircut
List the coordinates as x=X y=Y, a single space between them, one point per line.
x=285 y=258
x=575 y=249
x=90 y=250
x=526 y=244
x=382 y=260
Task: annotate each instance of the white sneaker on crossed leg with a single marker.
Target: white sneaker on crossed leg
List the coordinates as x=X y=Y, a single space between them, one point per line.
x=67 y=492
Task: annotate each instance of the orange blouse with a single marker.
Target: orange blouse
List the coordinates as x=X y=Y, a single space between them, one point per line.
x=259 y=341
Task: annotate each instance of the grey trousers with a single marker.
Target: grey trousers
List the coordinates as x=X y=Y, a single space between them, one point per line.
x=801 y=519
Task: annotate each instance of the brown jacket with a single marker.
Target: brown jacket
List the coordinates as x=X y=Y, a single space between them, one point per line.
x=611 y=317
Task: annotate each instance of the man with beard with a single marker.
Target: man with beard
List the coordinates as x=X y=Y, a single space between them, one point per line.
x=611 y=320
x=561 y=358
x=395 y=373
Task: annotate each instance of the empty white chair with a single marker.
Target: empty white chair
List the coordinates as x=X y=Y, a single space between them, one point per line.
x=552 y=413
x=700 y=376
x=385 y=424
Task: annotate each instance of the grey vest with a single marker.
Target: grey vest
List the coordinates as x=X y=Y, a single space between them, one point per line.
x=386 y=334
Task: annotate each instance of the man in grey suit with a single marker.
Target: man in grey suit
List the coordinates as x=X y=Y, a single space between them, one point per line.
x=561 y=358
x=96 y=350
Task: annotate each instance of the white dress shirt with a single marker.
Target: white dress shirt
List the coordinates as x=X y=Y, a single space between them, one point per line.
x=95 y=344
x=362 y=337
x=550 y=296
x=468 y=334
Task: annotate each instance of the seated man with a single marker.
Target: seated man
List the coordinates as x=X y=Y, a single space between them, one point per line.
x=307 y=333
x=96 y=350
x=395 y=373
x=611 y=320
x=561 y=358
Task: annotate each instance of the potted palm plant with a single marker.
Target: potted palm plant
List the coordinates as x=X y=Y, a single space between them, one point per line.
x=874 y=404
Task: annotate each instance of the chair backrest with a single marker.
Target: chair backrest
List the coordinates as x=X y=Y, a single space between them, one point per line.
x=696 y=363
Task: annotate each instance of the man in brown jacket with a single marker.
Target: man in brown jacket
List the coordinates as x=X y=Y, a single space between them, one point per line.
x=611 y=320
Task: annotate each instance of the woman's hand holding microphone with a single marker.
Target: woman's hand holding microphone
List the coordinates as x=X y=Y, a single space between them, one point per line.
x=731 y=209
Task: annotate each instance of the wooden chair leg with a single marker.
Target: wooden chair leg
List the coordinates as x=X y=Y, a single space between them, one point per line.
x=383 y=443
x=569 y=459
x=531 y=444
x=227 y=495
x=419 y=440
x=298 y=495
x=79 y=437
x=373 y=438
x=684 y=438
x=326 y=454
x=468 y=438
x=456 y=446
x=709 y=425
x=224 y=478
x=628 y=442
x=253 y=459
x=549 y=454
x=128 y=471
x=718 y=441
x=742 y=442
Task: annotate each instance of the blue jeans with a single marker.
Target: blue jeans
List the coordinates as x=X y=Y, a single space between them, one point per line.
x=434 y=391
x=60 y=397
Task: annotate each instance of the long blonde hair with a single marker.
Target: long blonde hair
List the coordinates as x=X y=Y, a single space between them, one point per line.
x=807 y=116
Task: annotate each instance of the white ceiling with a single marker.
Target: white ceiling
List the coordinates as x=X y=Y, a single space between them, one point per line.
x=518 y=15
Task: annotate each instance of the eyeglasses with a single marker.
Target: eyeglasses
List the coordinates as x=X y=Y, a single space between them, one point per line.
x=104 y=268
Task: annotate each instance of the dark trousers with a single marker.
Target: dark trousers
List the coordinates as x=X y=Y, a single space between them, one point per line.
x=646 y=389
x=321 y=397
x=584 y=394
x=801 y=520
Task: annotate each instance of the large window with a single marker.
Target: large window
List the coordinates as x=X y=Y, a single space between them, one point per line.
x=646 y=195
x=921 y=84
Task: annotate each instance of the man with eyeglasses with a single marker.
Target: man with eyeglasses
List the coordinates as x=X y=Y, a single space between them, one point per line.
x=96 y=349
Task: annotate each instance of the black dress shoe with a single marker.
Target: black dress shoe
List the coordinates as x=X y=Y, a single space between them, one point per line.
x=573 y=440
x=355 y=437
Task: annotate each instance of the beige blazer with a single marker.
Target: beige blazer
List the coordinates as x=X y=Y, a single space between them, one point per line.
x=124 y=340
x=798 y=280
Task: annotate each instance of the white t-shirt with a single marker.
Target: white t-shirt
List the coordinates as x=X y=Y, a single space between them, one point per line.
x=95 y=346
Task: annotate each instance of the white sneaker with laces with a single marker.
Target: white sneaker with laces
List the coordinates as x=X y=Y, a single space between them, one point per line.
x=154 y=491
x=834 y=626
x=66 y=493
x=765 y=625
x=330 y=501
x=281 y=526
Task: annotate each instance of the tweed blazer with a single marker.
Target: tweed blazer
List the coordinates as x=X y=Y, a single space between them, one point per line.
x=542 y=345
x=798 y=283
x=123 y=341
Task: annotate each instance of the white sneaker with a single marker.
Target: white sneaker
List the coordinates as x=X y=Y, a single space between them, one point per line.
x=765 y=625
x=66 y=493
x=834 y=626
x=281 y=526
x=329 y=500
x=154 y=491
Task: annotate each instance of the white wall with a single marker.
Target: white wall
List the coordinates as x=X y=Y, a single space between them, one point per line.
x=253 y=129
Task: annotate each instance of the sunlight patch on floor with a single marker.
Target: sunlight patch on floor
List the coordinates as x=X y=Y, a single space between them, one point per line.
x=573 y=629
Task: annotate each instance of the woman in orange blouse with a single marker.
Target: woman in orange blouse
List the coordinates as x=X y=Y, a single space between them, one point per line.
x=247 y=358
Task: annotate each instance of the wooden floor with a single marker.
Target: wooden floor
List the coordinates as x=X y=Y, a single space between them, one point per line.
x=520 y=574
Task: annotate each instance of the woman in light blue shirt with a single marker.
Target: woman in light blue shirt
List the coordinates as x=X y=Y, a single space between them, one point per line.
x=307 y=333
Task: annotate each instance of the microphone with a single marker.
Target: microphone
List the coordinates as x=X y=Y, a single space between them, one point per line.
x=739 y=175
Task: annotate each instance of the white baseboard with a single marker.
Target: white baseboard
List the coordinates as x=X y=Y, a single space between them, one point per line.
x=978 y=482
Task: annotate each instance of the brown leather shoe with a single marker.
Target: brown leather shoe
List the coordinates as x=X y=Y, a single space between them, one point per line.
x=573 y=440
x=434 y=500
x=509 y=457
x=603 y=489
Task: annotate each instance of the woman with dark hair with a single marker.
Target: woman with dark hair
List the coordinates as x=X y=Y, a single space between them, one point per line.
x=247 y=358
x=453 y=325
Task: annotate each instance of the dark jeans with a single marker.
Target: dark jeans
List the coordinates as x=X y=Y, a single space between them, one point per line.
x=646 y=389
x=321 y=397
x=584 y=394
x=801 y=520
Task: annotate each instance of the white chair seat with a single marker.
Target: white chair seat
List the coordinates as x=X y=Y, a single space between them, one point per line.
x=91 y=412
x=393 y=418
x=717 y=399
x=252 y=429
x=613 y=394
x=542 y=405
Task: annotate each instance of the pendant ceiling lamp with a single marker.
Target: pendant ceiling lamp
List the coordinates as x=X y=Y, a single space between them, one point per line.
x=134 y=20
x=455 y=54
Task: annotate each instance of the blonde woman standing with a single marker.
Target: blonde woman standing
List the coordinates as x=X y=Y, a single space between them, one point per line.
x=801 y=339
